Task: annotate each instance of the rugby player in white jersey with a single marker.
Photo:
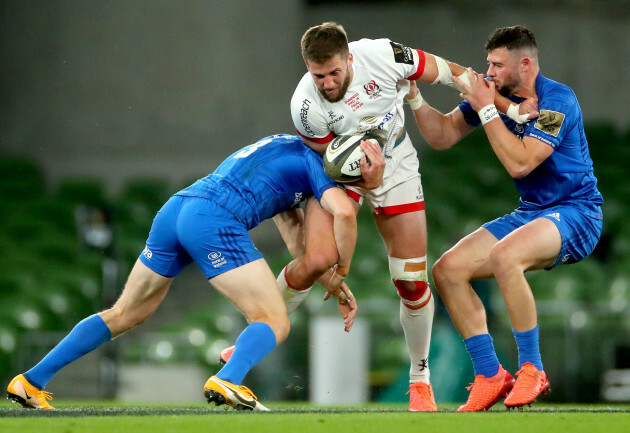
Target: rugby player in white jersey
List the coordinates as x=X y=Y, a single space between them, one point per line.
x=351 y=88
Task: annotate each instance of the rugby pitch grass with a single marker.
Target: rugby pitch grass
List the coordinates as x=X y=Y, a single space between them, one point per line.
x=109 y=417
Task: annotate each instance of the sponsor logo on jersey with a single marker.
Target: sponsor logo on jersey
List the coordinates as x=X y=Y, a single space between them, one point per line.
x=216 y=259
x=402 y=54
x=367 y=123
x=306 y=105
x=354 y=102
x=147 y=252
x=372 y=89
x=334 y=120
x=550 y=122
x=389 y=116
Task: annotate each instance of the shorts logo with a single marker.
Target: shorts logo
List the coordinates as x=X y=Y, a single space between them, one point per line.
x=554 y=215
x=565 y=258
x=147 y=253
x=217 y=259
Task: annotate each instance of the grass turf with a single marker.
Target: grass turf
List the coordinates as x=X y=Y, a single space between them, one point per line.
x=108 y=417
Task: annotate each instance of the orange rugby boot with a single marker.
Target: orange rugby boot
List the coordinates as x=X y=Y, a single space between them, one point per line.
x=485 y=392
x=240 y=397
x=21 y=391
x=530 y=383
x=421 y=398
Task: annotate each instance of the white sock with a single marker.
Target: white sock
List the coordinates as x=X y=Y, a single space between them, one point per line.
x=292 y=298
x=417 y=326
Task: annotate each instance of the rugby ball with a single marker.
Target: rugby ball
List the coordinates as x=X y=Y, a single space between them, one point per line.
x=342 y=159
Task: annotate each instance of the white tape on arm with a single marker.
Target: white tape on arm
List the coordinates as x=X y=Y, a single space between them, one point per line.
x=488 y=113
x=512 y=113
x=416 y=102
x=445 y=76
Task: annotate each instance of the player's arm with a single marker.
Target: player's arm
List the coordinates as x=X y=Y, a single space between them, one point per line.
x=336 y=201
x=518 y=157
x=291 y=227
x=439 y=71
x=441 y=131
x=317 y=147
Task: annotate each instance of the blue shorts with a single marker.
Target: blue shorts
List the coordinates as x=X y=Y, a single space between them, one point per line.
x=580 y=227
x=190 y=229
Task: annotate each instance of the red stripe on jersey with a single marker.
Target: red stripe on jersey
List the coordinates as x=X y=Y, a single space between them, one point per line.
x=354 y=195
x=323 y=140
x=421 y=63
x=401 y=208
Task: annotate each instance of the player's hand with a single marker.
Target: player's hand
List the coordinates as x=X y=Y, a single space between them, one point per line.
x=346 y=303
x=479 y=93
x=413 y=90
x=372 y=166
x=529 y=107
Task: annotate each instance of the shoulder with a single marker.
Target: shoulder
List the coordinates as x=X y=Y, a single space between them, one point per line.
x=552 y=92
x=367 y=49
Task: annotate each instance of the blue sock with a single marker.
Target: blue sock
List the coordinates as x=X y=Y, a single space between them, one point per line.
x=86 y=336
x=256 y=341
x=483 y=356
x=528 y=348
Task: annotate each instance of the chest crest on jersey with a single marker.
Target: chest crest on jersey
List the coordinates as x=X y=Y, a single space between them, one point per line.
x=372 y=89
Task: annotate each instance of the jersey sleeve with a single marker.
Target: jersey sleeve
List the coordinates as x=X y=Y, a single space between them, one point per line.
x=470 y=115
x=405 y=62
x=552 y=123
x=308 y=119
x=318 y=178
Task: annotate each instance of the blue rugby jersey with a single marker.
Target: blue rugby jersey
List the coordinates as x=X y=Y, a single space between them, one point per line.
x=567 y=174
x=264 y=179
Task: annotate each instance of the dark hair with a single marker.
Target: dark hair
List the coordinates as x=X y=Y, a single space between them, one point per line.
x=512 y=38
x=321 y=43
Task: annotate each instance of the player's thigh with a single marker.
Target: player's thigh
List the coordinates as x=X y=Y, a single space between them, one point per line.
x=143 y=293
x=252 y=288
x=535 y=245
x=405 y=234
x=469 y=258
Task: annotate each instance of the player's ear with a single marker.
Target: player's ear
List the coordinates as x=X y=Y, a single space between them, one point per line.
x=350 y=58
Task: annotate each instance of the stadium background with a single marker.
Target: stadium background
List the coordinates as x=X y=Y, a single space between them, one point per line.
x=108 y=107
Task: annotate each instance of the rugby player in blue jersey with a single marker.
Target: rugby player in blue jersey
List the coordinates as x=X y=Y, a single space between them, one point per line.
x=558 y=221
x=208 y=223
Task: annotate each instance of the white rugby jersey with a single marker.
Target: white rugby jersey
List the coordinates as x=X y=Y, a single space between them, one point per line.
x=373 y=101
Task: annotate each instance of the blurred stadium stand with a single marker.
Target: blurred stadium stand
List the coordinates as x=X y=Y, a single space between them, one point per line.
x=54 y=270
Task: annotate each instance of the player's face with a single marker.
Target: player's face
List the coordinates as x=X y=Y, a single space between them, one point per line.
x=332 y=77
x=503 y=69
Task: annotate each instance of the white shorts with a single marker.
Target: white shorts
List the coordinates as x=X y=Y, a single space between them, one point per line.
x=401 y=190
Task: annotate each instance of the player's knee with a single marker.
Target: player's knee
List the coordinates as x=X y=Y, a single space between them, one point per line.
x=503 y=257
x=316 y=263
x=447 y=270
x=120 y=320
x=410 y=279
x=281 y=326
